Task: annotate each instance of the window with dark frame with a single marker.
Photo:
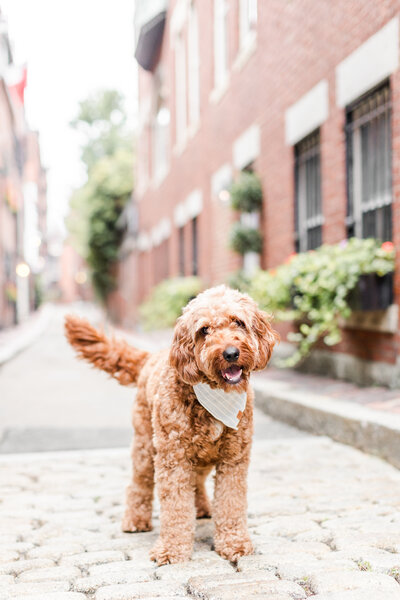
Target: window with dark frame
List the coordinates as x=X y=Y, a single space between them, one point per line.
x=308 y=201
x=181 y=250
x=369 y=166
x=195 y=248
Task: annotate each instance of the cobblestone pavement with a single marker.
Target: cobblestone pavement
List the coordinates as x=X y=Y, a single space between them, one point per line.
x=324 y=517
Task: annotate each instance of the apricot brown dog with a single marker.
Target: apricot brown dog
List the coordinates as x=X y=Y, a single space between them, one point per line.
x=219 y=340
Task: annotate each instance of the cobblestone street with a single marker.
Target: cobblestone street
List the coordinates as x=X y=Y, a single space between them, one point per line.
x=324 y=518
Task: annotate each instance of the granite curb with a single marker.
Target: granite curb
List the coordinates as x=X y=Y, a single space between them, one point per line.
x=14 y=341
x=368 y=430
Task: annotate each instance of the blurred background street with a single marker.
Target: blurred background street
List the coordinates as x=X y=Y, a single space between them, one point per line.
x=51 y=401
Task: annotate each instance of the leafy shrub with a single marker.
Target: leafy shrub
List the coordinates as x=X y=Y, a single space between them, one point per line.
x=246 y=193
x=167 y=300
x=245 y=239
x=313 y=287
x=239 y=281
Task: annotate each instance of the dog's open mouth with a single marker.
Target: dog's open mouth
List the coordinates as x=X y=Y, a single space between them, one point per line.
x=232 y=374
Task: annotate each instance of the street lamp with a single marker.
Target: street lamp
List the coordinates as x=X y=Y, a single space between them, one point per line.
x=22 y=270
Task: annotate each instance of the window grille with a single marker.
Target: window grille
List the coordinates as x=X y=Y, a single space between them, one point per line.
x=308 y=202
x=369 y=166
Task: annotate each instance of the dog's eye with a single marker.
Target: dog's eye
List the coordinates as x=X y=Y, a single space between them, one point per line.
x=204 y=330
x=239 y=323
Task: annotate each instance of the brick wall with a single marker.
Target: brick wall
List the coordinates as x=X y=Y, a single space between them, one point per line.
x=298 y=44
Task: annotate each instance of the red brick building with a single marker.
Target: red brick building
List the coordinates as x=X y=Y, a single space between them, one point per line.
x=23 y=204
x=305 y=93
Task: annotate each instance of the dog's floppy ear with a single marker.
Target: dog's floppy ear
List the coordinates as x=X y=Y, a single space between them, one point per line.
x=181 y=356
x=267 y=338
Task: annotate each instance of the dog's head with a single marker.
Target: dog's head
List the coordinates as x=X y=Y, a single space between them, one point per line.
x=220 y=338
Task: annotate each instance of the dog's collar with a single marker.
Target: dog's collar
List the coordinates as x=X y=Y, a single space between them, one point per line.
x=226 y=407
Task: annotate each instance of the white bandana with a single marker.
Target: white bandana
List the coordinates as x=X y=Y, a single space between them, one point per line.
x=224 y=406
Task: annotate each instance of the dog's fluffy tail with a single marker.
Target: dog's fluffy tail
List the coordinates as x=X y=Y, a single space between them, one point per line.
x=116 y=357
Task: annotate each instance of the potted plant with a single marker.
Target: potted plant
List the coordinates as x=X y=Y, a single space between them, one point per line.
x=246 y=239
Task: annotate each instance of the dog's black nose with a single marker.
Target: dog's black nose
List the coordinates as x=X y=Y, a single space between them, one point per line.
x=231 y=353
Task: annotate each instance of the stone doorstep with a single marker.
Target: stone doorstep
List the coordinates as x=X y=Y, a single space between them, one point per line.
x=373 y=432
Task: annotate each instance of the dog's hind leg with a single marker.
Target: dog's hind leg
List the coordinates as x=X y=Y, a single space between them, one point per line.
x=139 y=494
x=203 y=506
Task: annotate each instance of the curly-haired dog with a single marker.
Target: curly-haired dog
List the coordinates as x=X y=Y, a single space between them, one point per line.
x=219 y=340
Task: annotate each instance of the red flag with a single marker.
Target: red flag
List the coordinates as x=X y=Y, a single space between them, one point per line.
x=17 y=82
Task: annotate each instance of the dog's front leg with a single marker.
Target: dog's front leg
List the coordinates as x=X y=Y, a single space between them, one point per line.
x=232 y=538
x=175 y=481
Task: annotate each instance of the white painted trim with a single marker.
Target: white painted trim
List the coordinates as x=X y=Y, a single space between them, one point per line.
x=180 y=218
x=308 y=113
x=161 y=232
x=194 y=204
x=369 y=64
x=143 y=242
x=221 y=179
x=246 y=148
x=190 y=208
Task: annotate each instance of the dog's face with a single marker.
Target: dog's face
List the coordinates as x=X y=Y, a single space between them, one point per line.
x=220 y=338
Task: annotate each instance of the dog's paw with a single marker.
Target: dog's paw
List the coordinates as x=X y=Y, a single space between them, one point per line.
x=203 y=513
x=131 y=524
x=164 y=554
x=232 y=549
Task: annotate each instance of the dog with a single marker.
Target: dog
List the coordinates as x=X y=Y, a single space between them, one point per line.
x=193 y=412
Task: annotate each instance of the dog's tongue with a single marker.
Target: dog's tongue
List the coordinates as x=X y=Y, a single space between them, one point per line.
x=233 y=373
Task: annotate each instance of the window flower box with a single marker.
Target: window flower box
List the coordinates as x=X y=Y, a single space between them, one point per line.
x=372 y=292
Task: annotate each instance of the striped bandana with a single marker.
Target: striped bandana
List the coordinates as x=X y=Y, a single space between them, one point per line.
x=224 y=406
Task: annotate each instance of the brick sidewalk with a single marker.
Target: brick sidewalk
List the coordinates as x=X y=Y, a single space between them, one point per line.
x=324 y=519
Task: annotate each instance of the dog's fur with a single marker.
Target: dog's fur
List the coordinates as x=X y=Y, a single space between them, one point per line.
x=177 y=442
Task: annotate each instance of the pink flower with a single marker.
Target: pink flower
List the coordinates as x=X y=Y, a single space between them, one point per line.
x=290 y=257
x=387 y=246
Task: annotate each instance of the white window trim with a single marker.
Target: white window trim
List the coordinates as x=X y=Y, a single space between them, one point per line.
x=246 y=147
x=307 y=114
x=247 y=32
x=221 y=75
x=369 y=64
x=246 y=52
x=181 y=115
x=193 y=55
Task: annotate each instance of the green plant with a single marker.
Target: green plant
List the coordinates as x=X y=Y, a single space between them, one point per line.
x=239 y=281
x=312 y=288
x=93 y=220
x=245 y=239
x=364 y=565
x=11 y=292
x=246 y=193
x=166 y=301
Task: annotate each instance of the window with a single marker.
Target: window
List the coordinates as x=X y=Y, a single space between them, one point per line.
x=181 y=250
x=308 y=203
x=369 y=166
x=180 y=90
x=195 y=249
x=247 y=20
x=194 y=65
x=160 y=141
x=220 y=43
